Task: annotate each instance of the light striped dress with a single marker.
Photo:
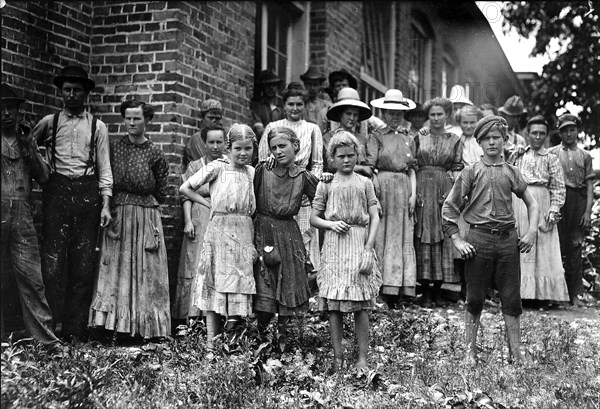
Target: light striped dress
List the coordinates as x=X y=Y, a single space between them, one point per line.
x=310 y=156
x=542 y=272
x=341 y=286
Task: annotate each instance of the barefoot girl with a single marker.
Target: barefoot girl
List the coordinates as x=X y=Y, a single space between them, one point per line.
x=281 y=278
x=227 y=252
x=348 y=277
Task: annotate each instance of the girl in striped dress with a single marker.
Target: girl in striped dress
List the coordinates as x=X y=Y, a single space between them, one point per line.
x=348 y=276
x=228 y=253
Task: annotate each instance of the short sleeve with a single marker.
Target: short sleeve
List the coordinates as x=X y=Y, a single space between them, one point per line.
x=320 y=200
x=206 y=174
x=370 y=192
x=519 y=185
x=589 y=170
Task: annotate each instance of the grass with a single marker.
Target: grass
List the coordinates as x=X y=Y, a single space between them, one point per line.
x=415 y=356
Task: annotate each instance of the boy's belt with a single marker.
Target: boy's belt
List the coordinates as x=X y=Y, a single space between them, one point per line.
x=500 y=232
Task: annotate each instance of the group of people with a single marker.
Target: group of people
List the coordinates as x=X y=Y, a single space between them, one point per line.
x=444 y=192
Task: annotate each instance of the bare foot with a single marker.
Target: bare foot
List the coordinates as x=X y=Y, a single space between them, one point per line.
x=471 y=358
x=338 y=364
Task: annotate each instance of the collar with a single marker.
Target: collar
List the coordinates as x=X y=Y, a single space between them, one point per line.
x=82 y=114
x=12 y=151
x=126 y=140
x=488 y=163
x=542 y=151
x=293 y=170
x=399 y=129
x=563 y=147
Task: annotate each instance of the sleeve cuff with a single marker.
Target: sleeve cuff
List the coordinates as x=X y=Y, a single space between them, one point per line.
x=106 y=191
x=450 y=229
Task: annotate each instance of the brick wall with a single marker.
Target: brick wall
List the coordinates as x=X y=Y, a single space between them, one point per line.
x=344 y=36
x=171 y=54
x=37 y=39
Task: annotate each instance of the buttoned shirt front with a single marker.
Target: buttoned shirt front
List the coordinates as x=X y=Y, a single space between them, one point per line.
x=484 y=191
x=72 y=150
x=576 y=164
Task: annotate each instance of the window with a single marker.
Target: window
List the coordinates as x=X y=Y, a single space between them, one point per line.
x=450 y=67
x=379 y=49
x=419 y=60
x=283 y=38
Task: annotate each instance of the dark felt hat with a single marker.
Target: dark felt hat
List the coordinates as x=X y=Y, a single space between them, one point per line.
x=313 y=73
x=513 y=106
x=343 y=74
x=268 y=77
x=418 y=110
x=74 y=74
x=9 y=94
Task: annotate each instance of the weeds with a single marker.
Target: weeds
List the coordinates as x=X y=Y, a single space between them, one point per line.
x=415 y=358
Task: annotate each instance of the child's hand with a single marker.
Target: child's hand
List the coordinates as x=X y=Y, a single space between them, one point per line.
x=270 y=162
x=379 y=209
x=326 y=177
x=466 y=249
x=340 y=227
x=412 y=202
x=424 y=131
x=189 y=230
x=527 y=242
x=586 y=220
x=367 y=262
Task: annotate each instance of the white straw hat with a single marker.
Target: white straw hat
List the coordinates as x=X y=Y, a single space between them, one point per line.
x=394 y=100
x=348 y=97
x=458 y=95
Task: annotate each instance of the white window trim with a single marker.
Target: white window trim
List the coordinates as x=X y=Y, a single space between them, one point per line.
x=297 y=41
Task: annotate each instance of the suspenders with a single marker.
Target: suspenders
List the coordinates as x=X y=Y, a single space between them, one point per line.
x=90 y=164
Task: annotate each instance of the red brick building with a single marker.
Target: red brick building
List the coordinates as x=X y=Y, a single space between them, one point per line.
x=174 y=54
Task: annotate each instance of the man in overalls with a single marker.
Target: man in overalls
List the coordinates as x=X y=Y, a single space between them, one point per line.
x=20 y=272
x=76 y=201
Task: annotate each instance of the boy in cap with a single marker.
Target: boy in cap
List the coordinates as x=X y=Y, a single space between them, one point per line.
x=483 y=193
x=267 y=106
x=511 y=111
x=76 y=200
x=21 y=160
x=210 y=117
x=576 y=212
x=318 y=101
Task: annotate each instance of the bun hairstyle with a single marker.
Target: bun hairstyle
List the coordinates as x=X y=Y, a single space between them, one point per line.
x=204 y=132
x=286 y=133
x=239 y=132
x=147 y=110
x=468 y=110
x=295 y=89
x=445 y=103
x=339 y=139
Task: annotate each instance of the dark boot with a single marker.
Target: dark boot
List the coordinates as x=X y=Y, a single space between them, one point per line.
x=426 y=301
x=282 y=332
x=436 y=294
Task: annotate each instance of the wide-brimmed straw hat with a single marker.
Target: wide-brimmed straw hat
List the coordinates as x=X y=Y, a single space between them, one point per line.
x=458 y=95
x=513 y=106
x=10 y=95
x=348 y=97
x=313 y=73
x=394 y=100
x=74 y=74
